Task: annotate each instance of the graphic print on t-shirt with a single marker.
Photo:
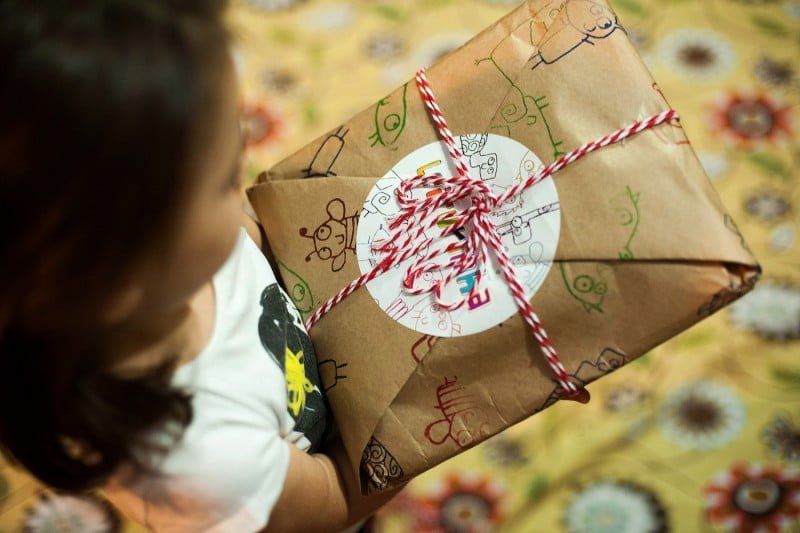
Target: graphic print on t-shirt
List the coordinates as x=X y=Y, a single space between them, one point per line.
x=283 y=336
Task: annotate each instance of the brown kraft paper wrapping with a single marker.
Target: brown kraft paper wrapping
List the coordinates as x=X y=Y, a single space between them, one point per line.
x=646 y=249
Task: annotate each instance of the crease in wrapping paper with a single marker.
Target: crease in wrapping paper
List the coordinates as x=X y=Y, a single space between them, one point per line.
x=646 y=248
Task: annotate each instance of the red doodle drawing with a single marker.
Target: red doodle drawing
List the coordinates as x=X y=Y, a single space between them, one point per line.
x=397 y=309
x=421 y=347
x=675 y=122
x=458 y=408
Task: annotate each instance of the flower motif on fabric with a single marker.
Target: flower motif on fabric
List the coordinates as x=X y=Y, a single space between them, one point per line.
x=334 y=17
x=279 y=80
x=262 y=126
x=701 y=416
x=783 y=237
x=716 y=164
x=782 y=438
x=697 y=54
x=772 y=310
x=615 y=507
x=505 y=451
x=460 y=502
x=625 y=397
x=749 y=498
x=776 y=73
x=748 y=119
x=792 y=9
x=432 y=50
x=53 y=512
x=384 y=46
x=639 y=39
x=767 y=205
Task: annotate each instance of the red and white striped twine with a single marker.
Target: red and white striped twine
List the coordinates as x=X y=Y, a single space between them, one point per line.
x=474 y=221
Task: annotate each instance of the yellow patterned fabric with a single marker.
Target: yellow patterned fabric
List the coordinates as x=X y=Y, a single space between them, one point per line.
x=703 y=433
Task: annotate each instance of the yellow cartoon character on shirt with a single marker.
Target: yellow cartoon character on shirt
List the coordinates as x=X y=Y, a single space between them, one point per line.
x=281 y=331
x=297 y=383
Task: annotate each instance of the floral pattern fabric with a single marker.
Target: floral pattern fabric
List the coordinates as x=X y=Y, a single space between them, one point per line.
x=701 y=434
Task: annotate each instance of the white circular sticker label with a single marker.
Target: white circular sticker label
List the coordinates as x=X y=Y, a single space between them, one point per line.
x=528 y=226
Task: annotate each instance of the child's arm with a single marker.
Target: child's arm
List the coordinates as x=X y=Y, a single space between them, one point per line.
x=320 y=494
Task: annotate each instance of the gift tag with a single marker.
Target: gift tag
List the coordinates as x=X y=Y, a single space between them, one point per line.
x=528 y=226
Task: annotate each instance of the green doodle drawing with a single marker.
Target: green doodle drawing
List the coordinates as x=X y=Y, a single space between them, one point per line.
x=518 y=105
x=588 y=288
x=626 y=208
x=299 y=291
x=390 y=120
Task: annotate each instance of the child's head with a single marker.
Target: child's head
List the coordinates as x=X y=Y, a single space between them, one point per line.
x=119 y=145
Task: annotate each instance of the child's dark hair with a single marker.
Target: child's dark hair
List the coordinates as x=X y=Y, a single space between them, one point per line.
x=102 y=102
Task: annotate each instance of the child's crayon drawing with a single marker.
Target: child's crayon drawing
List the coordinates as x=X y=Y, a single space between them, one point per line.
x=482 y=292
x=421 y=347
x=519 y=108
x=334 y=237
x=330 y=373
x=675 y=123
x=378 y=467
x=581 y=22
x=626 y=209
x=390 y=120
x=472 y=146
x=587 y=286
x=428 y=316
x=519 y=227
x=299 y=291
x=456 y=406
x=531 y=278
x=321 y=164
x=606 y=362
x=381 y=200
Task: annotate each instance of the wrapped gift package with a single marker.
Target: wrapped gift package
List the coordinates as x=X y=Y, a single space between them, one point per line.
x=617 y=252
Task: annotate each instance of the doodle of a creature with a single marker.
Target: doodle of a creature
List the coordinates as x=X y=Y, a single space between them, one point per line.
x=321 y=164
x=626 y=210
x=582 y=21
x=333 y=237
x=472 y=145
x=587 y=285
x=390 y=120
x=298 y=289
x=457 y=407
x=382 y=199
x=429 y=316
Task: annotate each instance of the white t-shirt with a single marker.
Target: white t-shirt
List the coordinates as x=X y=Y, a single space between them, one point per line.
x=255 y=390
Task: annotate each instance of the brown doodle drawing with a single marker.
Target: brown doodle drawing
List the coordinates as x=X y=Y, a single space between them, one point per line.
x=334 y=237
x=321 y=164
x=583 y=21
x=606 y=362
x=378 y=467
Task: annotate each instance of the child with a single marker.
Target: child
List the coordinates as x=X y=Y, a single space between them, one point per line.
x=144 y=341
